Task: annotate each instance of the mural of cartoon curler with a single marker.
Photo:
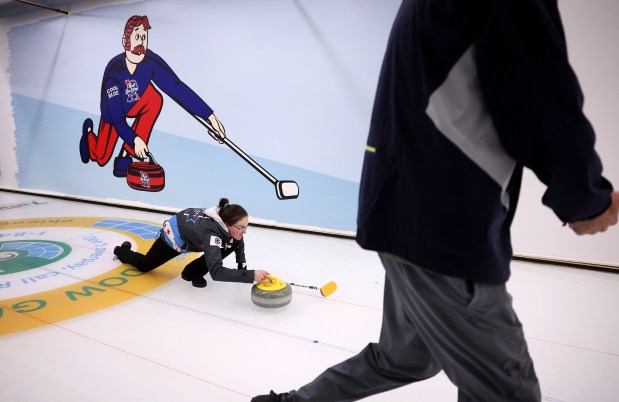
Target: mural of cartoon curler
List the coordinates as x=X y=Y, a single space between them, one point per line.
x=131 y=87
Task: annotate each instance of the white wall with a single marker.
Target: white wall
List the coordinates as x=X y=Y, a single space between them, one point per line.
x=8 y=164
x=592 y=30
x=593 y=41
x=292 y=81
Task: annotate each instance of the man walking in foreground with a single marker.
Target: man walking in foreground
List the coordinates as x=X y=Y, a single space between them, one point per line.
x=470 y=93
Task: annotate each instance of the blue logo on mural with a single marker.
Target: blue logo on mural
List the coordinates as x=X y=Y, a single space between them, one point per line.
x=132 y=91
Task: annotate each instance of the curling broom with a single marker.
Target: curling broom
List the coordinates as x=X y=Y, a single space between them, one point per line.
x=326 y=290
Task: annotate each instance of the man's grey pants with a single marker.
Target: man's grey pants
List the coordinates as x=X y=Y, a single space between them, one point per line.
x=433 y=322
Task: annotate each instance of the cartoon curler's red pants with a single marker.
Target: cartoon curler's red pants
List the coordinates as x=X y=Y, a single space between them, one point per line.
x=145 y=111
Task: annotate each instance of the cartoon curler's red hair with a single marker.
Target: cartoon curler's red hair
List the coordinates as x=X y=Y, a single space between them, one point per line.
x=132 y=23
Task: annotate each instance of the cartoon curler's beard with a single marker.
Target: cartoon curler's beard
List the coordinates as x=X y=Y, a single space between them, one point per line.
x=139 y=50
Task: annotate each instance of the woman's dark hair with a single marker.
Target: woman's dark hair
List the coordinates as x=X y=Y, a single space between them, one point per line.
x=231 y=213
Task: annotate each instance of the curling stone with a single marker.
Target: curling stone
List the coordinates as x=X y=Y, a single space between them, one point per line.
x=271 y=294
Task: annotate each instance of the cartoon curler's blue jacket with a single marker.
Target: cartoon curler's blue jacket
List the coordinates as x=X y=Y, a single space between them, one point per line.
x=120 y=90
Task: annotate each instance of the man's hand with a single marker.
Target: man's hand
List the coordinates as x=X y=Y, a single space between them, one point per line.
x=140 y=148
x=218 y=132
x=601 y=222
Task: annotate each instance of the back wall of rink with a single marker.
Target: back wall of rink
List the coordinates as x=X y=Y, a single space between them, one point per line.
x=292 y=82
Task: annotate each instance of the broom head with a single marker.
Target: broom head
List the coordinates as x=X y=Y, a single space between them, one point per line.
x=329 y=288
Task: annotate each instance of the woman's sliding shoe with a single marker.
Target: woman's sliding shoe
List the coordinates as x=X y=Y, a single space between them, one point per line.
x=121 y=251
x=199 y=282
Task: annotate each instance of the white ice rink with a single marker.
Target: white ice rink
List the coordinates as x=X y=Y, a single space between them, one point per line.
x=179 y=343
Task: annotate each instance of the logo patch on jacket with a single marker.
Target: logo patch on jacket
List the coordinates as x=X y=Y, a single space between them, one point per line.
x=216 y=241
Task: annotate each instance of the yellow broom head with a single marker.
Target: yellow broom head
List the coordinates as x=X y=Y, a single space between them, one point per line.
x=329 y=288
